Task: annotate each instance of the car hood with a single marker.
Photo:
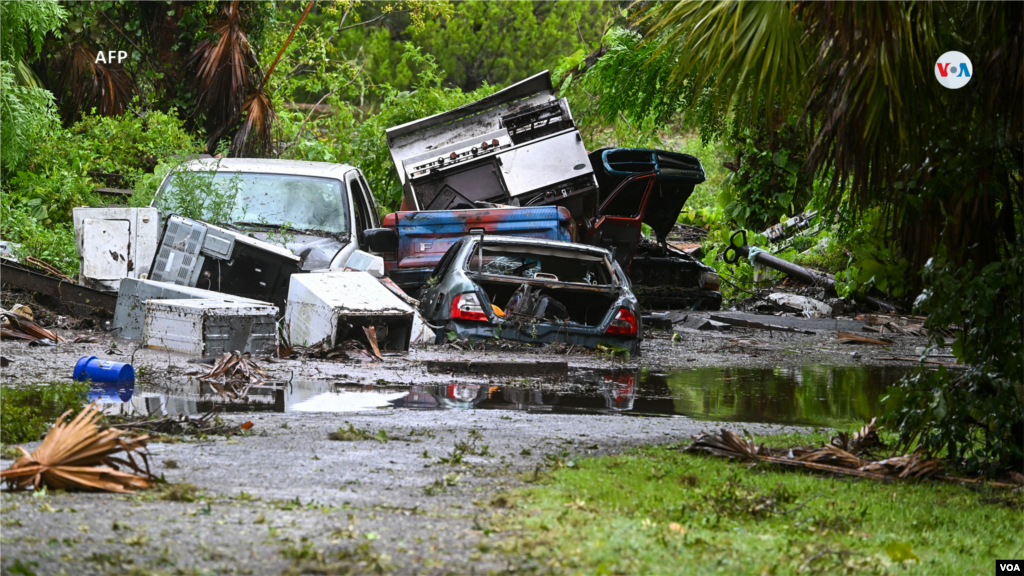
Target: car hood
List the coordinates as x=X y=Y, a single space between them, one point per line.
x=315 y=252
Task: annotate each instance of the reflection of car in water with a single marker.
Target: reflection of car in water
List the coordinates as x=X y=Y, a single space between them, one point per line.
x=609 y=392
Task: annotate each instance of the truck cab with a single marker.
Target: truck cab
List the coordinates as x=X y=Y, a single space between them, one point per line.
x=317 y=210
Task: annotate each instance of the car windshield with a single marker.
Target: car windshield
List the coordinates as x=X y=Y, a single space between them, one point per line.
x=541 y=263
x=297 y=202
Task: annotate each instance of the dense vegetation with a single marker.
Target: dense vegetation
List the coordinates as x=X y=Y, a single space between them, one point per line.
x=919 y=187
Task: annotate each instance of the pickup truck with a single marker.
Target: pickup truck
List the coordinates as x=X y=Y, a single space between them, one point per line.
x=420 y=239
x=317 y=211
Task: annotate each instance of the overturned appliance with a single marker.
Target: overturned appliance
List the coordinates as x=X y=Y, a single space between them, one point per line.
x=518 y=146
x=209 y=327
x=194 y=253
x=114 y=243
x=532 y=291
x=331 y=307
x=130 y=313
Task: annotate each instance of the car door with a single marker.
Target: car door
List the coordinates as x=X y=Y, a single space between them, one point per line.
x=364 y=216
x=433 y=298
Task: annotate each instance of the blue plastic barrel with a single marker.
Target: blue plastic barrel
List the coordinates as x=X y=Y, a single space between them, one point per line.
x=99 y=371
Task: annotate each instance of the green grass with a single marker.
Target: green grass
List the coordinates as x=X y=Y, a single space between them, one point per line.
x=27 y=411
x=660 y=511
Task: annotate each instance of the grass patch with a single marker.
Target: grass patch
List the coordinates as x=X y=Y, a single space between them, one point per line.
x=353 y=434
x=660 y=511
x=27 y=411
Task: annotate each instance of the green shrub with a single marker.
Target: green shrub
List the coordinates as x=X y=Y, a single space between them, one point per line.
x=26 y=412
x=975 y=415
x=52 y=244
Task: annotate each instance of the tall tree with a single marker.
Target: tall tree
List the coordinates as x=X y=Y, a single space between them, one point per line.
x=25 y=106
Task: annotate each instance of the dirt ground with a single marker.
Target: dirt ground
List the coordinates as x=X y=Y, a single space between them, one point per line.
x=287 y=499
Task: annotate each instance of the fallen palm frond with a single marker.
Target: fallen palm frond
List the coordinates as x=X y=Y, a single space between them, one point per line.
x=21 y=328
x=78 y=456
x=839 y=456
x=727 y=444
x=233 y=375
x=863 y=440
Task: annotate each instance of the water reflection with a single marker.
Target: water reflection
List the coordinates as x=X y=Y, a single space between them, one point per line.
x=595 y=392
x=110 y=393
x=811 y=394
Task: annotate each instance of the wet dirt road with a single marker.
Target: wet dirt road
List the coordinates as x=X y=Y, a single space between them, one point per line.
x=286 y=499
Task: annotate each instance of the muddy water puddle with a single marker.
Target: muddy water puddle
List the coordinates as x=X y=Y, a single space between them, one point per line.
x=810 y=395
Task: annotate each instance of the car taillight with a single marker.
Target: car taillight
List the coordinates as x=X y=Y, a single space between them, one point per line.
x=709 y=280
x=624 y=323
x=466 y=306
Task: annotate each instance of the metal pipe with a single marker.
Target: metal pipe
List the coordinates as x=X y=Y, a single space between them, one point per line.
x=735 y=251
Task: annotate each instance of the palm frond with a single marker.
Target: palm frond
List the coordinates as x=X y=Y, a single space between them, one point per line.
x=223 y=63
x=86 y=85
x=255 y=137
x=78 y=456
x=740 y=49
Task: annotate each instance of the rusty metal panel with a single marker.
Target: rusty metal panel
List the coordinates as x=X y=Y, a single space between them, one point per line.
x=207 y=327
x=80 y=301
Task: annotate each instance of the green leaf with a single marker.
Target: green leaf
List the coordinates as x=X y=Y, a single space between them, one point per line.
x=900 y=552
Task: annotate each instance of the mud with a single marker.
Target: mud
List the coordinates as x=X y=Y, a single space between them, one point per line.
x=288 y=499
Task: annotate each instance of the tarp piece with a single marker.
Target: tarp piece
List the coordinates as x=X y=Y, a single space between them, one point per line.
x=210 y=327
x=333 y=307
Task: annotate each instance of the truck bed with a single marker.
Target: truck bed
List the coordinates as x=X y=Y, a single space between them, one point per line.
x=424 y=237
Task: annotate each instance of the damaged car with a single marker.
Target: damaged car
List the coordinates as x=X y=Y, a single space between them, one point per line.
x=532 y=291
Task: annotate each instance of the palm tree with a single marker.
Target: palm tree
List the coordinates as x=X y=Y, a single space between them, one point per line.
x=946 y=161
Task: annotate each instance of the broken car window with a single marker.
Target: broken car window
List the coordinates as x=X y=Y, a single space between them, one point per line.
x=542 y=263
x=298 y=202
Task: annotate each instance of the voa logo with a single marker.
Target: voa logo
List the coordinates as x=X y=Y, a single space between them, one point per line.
x=953 y=70
x=1006 y=566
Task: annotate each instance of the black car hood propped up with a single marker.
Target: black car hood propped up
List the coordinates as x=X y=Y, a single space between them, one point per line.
x=677 y=174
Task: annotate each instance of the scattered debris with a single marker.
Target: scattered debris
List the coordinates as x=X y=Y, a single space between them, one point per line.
x=22 y=310
x=714 y=325
x=509 y=369
x=17 y=327
x=85 y=340
x=801 y=304
x=42 y=342
x=233 y=375
x=847 y=338
x=183 y=424
x=939 y=362
x=783 y=230
x=760 y=325
x=841 y=456
x=80 y=301
x=5 y=362
x=78 y=456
